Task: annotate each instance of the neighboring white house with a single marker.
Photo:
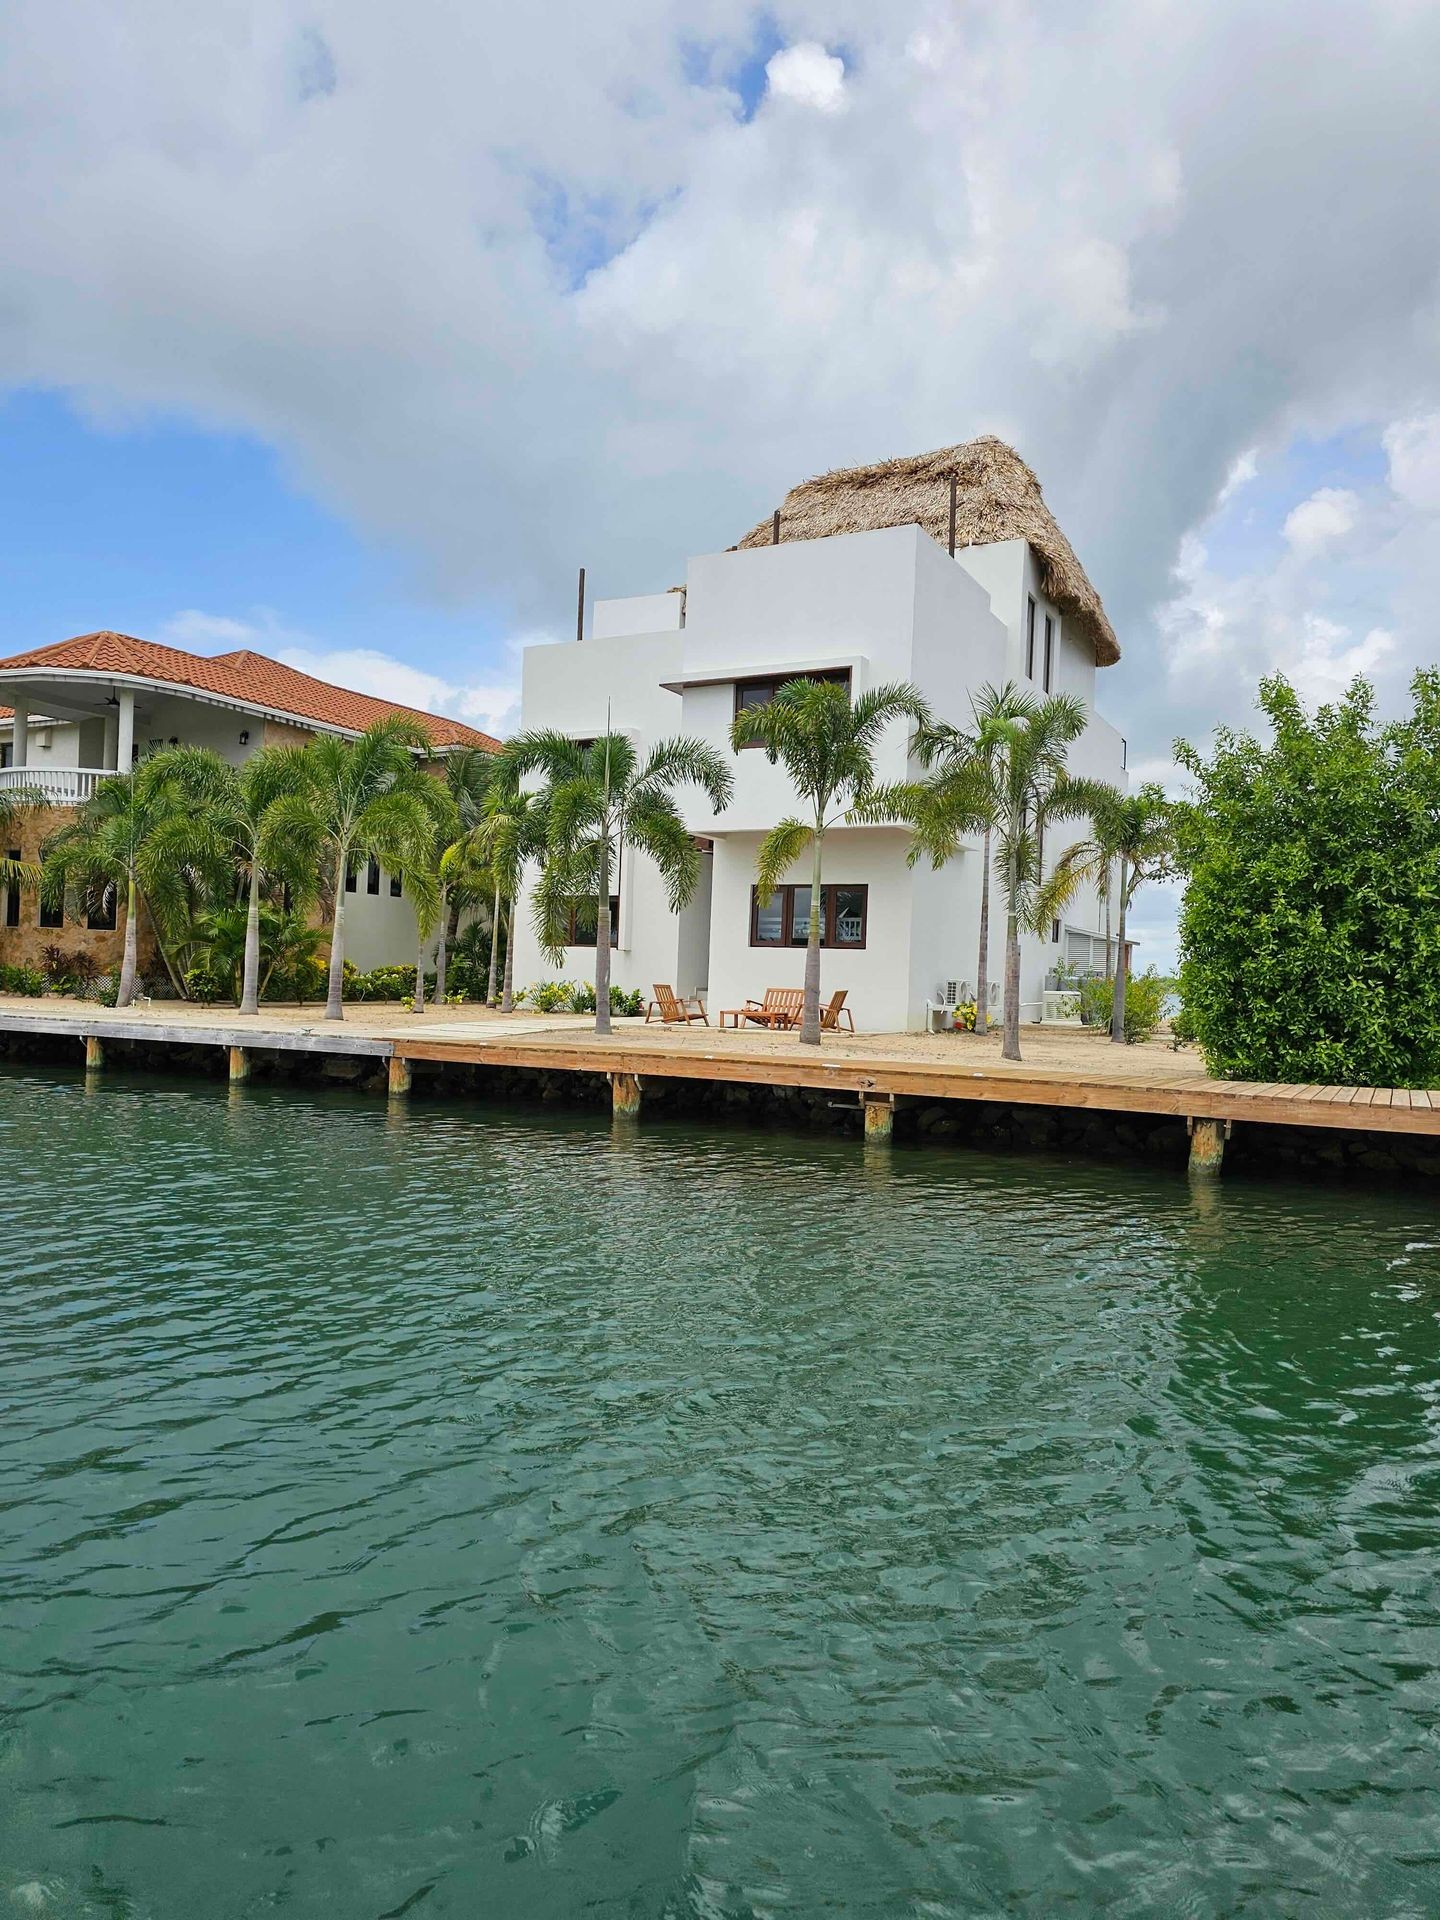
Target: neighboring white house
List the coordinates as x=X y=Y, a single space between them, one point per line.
x=861 y=586
x=82 y=708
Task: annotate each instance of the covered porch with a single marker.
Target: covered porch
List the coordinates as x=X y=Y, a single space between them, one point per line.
x=65 y=734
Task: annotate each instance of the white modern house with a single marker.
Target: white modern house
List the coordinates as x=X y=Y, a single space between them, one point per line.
x=860 y=586
x=80 y=709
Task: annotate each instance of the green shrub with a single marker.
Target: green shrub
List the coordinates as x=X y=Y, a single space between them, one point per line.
x=206 y=985
x=1182 y=1027
x=1145 y=996
x=381 y=983
x=582 y=998
x=551 y=996
x=626 y=1006
x=1309 y=940
x=29 y=981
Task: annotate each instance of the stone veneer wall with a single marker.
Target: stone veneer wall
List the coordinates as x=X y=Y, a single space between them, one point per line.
x=22 y=946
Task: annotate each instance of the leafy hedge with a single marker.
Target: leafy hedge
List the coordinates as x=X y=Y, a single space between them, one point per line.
x=1310 y=932
x=1145 y=997
x=28 y=981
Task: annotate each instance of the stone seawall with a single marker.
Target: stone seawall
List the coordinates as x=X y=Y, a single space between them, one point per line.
x=987 y=1125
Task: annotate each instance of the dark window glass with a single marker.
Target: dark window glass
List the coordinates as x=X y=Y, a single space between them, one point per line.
x=1049 y=651
x=580 y=934
x=759 y=693
x=12 y=897
x=1029 y=636
x=395 y=886
x=350 y=878
x=1055 y=931
x=51 y=916
x=372 y=875
x=6 y=754
x=849 y=905
x=784 y=920
x=100 y=916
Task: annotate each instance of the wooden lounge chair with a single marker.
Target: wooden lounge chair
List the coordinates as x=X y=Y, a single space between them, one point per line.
x=781 y=1008
x=835 y=1012
x=674 y=1012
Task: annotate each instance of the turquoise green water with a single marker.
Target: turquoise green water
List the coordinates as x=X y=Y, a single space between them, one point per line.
x=471 y=1513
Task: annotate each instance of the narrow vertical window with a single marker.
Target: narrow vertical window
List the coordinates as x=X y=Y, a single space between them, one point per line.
x=372 y=875
x=394 y=886
x=1029 y=636
x=350 y=877
x=1049 y=651
x=12 y=897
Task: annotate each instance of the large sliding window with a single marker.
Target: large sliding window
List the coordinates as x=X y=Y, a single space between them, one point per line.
x=784 y=919
x=760 y=693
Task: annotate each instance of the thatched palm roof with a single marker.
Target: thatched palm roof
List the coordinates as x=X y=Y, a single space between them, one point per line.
x=999 y=499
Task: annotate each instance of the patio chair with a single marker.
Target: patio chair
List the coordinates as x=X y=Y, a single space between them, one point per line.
x=674 y=1012
x=781 y=1008
x=835 y=1012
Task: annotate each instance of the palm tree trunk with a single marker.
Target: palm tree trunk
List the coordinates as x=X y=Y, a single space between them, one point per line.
x=1010 y=1050
x=494 y=948
x=810 y=1016
x=1117 y=1010
x=440 y=939
x=417 y=1004
x=602 y=943
x=982 y=964
x=334 y=1009
x=1109 y=948
x=250 y=980
x=507 y=998
x=127 y=963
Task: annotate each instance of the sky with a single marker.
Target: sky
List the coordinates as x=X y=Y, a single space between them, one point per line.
x=349 y=331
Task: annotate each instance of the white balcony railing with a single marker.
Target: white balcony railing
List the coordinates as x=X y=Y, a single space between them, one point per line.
x=62 y=786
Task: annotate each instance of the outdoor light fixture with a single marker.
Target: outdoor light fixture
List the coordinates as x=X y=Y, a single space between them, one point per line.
x=245 y=736
x=112 y=700
x=174 y=740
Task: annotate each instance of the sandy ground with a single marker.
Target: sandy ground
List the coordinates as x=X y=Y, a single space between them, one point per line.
x=1071 y=1050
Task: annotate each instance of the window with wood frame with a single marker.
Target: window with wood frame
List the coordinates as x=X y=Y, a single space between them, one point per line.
x=784 y=919
x=750 y=694
x=580 y=928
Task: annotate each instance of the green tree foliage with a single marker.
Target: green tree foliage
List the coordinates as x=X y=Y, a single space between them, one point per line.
x=1309 y=936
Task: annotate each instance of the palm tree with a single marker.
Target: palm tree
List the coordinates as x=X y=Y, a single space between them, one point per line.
x=426 y=877
x=16 y=806
x=1136 y=832
x=513 y=832
x=138 y=831
x=969 y=761
x=470 y=774
x=362 y=799
x=254 y=836
x=826 y=743
x=599 y=798
x=1033 y=789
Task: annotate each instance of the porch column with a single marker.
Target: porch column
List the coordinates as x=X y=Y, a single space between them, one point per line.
x=125 y=731
x=20 y=756
x=109 y=751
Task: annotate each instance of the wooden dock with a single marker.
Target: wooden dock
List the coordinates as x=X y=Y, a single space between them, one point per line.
x=875 y=1071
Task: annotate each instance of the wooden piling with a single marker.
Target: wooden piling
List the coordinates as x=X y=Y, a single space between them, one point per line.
x=625 y=1095
x=879 y=1117
x=239 y=1064
x=1207 y=1145
x=775 y=529
x=397 y=1074
x=94 y=1053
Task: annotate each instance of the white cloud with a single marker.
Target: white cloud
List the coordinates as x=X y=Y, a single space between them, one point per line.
x=1413 y=447
x=809 y=75
x=1327 y=515
x=1243 y=469
x=514 y=300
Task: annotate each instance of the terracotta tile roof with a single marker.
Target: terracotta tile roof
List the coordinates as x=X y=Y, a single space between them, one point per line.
x=250 y=677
